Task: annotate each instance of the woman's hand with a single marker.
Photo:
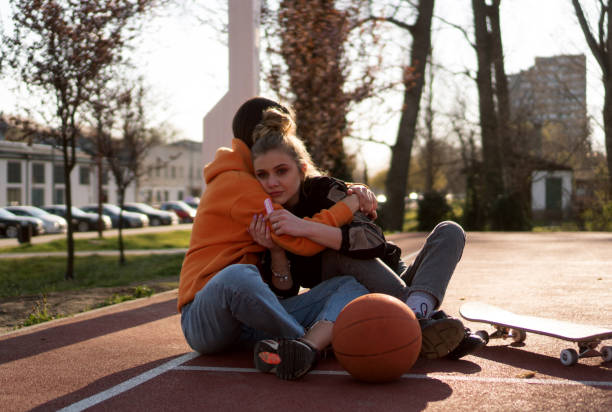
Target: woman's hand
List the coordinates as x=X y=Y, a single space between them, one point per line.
x=367 y=200
x=260 y=232
x=284 y=222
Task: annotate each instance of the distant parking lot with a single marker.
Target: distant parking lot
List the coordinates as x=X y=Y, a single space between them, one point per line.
x=8 y=242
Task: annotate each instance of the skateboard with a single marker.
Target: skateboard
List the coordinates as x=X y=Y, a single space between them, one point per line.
x=515 y=326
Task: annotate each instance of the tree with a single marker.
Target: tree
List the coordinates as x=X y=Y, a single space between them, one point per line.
x=600 y=44
x=125 y=156
x=316 y=71
x=58 y=49
x=414 y=80
x=486 y=53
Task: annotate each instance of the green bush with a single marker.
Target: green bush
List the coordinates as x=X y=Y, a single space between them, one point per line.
x=598 y=217
x=433 y=209
x=509 y=213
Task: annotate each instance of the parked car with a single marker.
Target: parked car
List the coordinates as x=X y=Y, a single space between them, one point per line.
x=81 y=221
x=156 y=217
x=194 y=202
x=130 y=219
x=51 y=223
x=13 y=223
x=185 y=213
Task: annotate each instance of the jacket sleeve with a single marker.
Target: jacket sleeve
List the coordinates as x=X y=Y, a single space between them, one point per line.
x=362 y=238
x=251 y=202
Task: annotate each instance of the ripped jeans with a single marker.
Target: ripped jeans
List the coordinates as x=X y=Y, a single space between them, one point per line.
x=237 y=307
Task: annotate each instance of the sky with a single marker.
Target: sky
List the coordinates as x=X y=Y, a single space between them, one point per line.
x=186 y=65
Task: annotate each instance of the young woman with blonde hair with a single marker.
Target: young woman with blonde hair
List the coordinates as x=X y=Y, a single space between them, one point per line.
x=286 y=172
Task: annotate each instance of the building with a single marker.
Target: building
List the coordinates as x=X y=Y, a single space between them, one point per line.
x=551 y=98
x=551 y=194
x=173 y=172
x=34 y=175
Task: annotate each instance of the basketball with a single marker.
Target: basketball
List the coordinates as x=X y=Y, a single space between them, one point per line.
x=376 y=338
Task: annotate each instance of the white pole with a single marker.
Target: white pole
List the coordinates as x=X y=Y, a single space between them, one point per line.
x=243 y=75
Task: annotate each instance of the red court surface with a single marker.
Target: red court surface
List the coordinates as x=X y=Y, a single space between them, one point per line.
x=132 y=356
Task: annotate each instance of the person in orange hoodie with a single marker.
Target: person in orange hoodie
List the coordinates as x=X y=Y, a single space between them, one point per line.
x=222 y=296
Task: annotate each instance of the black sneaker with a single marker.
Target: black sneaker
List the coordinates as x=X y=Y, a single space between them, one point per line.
x=471 y=342
x=289 y=359
x=441 y=335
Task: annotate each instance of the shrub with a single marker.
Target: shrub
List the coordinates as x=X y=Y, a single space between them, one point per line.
x=433 y=209
x=508 y=213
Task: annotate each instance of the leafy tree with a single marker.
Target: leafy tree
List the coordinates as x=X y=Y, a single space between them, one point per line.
x=316 y=72
x=125 y=155
x=57 y=49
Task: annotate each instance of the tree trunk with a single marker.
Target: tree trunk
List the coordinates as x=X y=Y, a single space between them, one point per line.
x=488 y=117
x=607 y=120
x=501 y=91
x=121 y=193
x=600 y=45
x=68 y=201
x=100 y=221
x=397 y=177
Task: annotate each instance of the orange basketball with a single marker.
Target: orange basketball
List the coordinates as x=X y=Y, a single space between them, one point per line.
x=376 y=338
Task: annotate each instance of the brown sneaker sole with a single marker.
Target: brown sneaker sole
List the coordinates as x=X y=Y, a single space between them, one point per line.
x=440 y=337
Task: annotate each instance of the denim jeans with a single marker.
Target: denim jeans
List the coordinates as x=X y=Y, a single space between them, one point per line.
x=430 y=272
x=237 y=307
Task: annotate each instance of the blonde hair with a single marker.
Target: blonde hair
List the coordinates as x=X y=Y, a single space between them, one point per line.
x=276 y=131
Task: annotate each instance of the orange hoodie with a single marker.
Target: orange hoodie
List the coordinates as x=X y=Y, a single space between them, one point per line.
x=219 y=236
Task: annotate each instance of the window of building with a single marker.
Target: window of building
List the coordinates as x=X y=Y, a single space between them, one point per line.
x=58 y=196
x=105 y=177
x=166 y=196
x=180 y=195
x=38 y=196
x=58 y=174
x=13 y=195
x=38 y=173
x=14 y=172
x=173 y=172
x=84 y=175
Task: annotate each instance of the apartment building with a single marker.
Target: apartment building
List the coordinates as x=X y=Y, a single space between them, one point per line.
x=551 y=97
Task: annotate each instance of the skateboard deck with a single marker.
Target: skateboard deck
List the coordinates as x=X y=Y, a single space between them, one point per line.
x=515 y=326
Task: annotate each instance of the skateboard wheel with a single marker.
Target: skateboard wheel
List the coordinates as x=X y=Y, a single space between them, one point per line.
x=484 y=335
x=606 y=353
x=518 y=335
x=568 y=357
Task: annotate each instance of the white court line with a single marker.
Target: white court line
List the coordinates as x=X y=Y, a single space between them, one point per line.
x=129 y=384
x=176 y=364
x=422 y=376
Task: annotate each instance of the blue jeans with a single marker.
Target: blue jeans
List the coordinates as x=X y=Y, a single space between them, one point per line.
x=430 y=272
x=237 y=307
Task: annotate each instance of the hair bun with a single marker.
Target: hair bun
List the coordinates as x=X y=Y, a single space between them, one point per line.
x=274 y=121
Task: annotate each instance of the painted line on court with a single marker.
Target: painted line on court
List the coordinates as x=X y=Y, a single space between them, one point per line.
x=129 y=384
x=530 y=381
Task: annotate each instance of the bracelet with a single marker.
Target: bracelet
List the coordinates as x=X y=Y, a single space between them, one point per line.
x=280 y=276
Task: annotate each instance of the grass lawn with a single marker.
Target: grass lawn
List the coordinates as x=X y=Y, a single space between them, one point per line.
x=162 y=240
x=37 y=276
